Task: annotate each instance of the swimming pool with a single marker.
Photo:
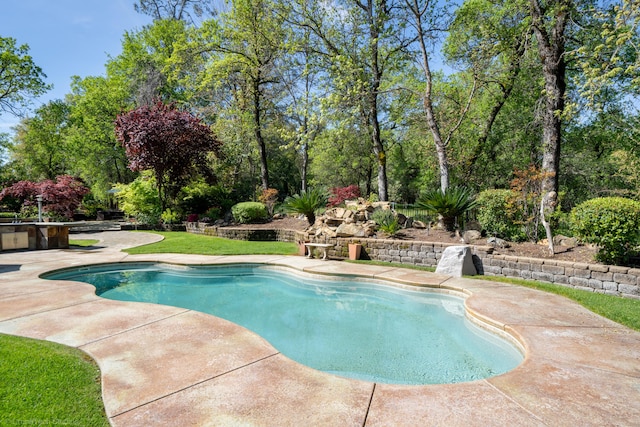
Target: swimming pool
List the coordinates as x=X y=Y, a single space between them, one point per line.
x=353 y=328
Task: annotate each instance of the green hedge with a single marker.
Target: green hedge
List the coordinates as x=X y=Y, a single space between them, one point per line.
x=612 y=223
x=248 y=212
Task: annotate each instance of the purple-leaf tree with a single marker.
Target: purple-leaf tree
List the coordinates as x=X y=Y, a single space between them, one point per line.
x=171 y=143
x=60 y=197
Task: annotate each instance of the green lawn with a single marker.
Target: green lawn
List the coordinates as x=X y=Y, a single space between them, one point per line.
x=83 y=243
x=44 y=383
x=186 y=243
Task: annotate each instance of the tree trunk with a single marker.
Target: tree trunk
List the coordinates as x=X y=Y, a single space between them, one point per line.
x=257 y=129
x=378 y=146
x=305 y=166
x=551 y=48
x=305 y=154
x=441 y=146
x=381 y=156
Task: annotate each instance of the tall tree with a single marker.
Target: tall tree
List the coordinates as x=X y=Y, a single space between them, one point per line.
x=40 y=151
x=363 y=42
x=146 y=65
x=609 y=57
x=98 y=158
x=301 y=75
x=490 y=40
x=423 y=15
x=243 y=47
x=172 y=143
x=549 y=20
x=20 y=78
x=185 y=10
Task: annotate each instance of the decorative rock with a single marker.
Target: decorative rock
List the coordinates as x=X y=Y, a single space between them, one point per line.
x=419 y=224
x=456 y=261
x=496 y=242
x=381 y=205
x=471 y=236
x=349 y=230
x=561 y=240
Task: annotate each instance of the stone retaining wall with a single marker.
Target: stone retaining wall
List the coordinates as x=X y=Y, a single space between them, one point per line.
x=256 y=234
x=607 y=279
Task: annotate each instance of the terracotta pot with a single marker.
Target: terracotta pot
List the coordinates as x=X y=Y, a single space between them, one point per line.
x=302 y=249
x=354 y=251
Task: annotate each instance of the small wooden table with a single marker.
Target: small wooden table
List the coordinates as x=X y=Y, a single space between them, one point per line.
x=324 y=247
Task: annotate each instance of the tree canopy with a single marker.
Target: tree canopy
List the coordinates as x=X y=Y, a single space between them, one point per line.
x=397 y=97
x=172 y=143
x=21 y=79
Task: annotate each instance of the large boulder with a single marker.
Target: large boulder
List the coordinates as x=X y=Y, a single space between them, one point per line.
x=471 y=236
x=560 y=240
x=456 y=261
x=497 y=242
x=354 y=230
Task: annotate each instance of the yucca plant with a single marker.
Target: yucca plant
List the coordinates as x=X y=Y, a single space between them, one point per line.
x=306 y=203
x=386 y=220
x=449 y=205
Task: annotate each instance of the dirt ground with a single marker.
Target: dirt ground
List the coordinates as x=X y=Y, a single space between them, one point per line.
x=583 y=254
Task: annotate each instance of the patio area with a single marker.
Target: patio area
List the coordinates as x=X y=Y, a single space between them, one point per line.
x=171 y=366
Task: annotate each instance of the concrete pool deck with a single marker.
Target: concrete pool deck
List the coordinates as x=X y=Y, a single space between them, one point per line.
x=165 y=366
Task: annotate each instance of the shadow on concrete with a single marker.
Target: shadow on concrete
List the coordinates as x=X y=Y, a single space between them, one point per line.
x=6 y=268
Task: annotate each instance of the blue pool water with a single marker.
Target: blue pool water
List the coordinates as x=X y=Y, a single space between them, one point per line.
x=350 y=328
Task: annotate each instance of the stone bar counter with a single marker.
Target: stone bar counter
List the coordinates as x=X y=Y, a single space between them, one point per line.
x=34 y=235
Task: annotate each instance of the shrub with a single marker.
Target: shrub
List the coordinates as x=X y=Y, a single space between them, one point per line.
x=386 y=220
x=612 y=223
x=498 y=214
x=60 y=198
x=269 y=197
x=248 y=212
x=213 y=213
x=170 y=216
x=199 y=196
x=140 y=199
x=340 y=194
x=527 y=187
x=449 y=204
x=192 y=217
x=306 y=203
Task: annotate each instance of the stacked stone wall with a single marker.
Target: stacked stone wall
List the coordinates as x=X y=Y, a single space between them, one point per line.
x=255 y=234
x=606 y=279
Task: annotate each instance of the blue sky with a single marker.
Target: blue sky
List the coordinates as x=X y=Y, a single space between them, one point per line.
x=67 y=38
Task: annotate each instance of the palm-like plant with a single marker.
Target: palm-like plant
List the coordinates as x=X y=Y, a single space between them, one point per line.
x=306 y=203
x=449 y=204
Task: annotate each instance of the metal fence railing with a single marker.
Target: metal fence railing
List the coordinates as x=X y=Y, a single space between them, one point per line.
x=412 y=211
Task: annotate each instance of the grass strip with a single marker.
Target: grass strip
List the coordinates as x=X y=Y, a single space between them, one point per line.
x=83 y=243
x=45 y=383
x=186 y=243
